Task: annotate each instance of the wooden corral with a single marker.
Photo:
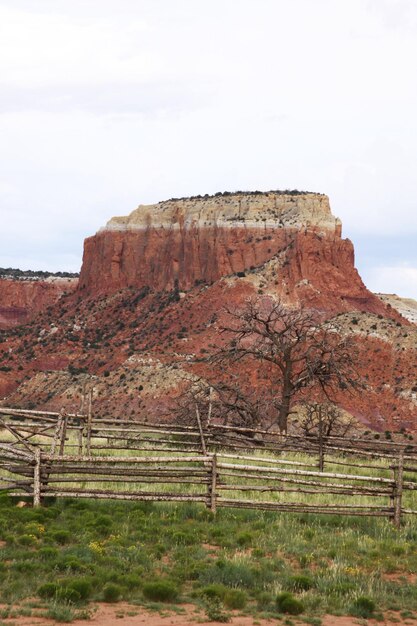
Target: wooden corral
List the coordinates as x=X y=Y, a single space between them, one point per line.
x=66 y=455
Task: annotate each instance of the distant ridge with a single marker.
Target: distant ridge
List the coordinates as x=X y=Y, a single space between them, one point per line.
x=18 y=274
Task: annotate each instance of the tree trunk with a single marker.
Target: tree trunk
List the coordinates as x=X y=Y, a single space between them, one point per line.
x=287 y=392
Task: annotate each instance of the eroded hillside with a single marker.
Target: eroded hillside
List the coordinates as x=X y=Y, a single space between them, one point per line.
x=151 y=300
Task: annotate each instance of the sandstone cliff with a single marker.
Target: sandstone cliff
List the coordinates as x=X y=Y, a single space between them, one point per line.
x=152 y=289
x=183 y=243
x=20 y=300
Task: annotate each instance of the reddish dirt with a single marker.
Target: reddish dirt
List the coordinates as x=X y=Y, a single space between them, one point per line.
x=128 y=615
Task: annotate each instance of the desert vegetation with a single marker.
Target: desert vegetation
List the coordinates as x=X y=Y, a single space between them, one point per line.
x=59 y=558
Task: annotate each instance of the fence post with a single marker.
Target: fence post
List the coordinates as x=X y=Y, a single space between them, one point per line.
x=210 y=408
x=398 y=489
x=57 y=433
x=37 y=479
x=89 y=421
x=321 y=443
x=212 y=485
x=200 y=428
x=80 y=437
x=63 y=434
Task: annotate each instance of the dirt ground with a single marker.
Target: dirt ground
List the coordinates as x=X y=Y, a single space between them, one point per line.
x=128 y=615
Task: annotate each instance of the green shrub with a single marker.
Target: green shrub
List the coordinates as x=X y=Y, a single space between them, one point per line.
x=131 y=581
x=25 y=567
x=264 y=600
x=68 y=594
x=48 y=590
x=232 y=574
x=82 y=586
x=60 y=536
x=71 y=563
x=363 y=607
x=112 y=592
x=235 y=599
x=300 y=582
x=244 y=539
x=184 y=538
x=73 y=590
x=214 y=590
x=286 y=603
x=26 y=540
x=160 y=591
x=341 y=587
x=47 y=553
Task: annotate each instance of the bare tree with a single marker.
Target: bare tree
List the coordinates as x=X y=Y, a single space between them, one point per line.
x=324 y=419
x=299 y=351
x=215 y=401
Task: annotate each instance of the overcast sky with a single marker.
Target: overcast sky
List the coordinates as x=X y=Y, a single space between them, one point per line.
x=107 y=104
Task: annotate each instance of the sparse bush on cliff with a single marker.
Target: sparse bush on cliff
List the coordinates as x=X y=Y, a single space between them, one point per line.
x=225 y=194
x=18 y=274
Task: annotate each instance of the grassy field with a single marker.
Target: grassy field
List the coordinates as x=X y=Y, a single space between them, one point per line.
x=71 y=552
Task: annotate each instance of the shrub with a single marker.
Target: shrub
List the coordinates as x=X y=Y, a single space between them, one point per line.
x=47 y=553
x=264 y=600
x=235 y=599
x=48 y=590
x=112 y=592
x=214 y=591
x=82 y=586
x=244 y=539
x=68 y=594
x=71 y=563
x=286 y=603
x=363 y=607
x=215 y=612
x=60 y=536
x=26 y=540
x=160 y=591
x=300 y=582
x=131 y=581
x=231 y=574
x=66 y=591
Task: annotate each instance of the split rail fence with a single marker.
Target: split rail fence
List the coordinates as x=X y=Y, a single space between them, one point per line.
x=47 y=454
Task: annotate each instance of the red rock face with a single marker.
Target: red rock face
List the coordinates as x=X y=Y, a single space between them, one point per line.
x=313 y=268
x=161 y=258
x=20 y=300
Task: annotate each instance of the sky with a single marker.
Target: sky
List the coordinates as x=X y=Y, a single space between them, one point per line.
x=107 y=104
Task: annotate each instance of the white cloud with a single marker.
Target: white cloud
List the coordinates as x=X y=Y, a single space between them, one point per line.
x=104 y=105
x=45 y=49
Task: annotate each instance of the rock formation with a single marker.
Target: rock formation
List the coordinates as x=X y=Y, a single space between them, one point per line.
x=151 y=293
x=184 y=243
x=20 y=300
x=407 y=307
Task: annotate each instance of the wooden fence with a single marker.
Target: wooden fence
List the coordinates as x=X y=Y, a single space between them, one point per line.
x=55 y=454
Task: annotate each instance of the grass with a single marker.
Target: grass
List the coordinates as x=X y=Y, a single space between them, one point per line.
x=328 y=564
x=71 y=552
